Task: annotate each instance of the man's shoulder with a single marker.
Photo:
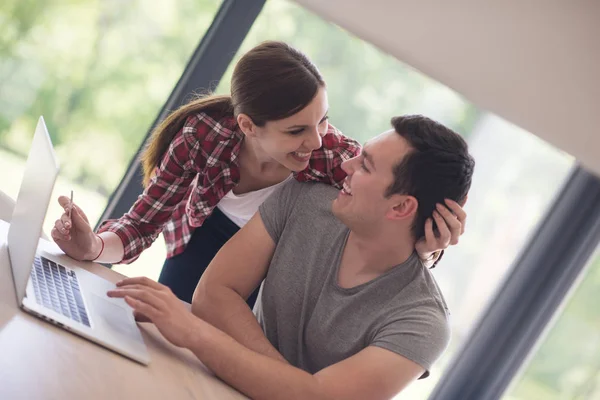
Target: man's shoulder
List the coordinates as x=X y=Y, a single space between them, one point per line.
x=420 y=297
x=429 y=305
x=311 y=194
x=426 y=289
x=423 y=300
x=305 y=203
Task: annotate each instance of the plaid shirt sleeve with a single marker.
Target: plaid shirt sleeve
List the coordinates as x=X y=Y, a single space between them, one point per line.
x=326 y=163
x=141 y=225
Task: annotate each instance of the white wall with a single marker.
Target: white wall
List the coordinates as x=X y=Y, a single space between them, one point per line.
x=534 y=62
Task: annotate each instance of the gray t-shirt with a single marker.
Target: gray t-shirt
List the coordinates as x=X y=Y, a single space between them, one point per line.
x=314 y=322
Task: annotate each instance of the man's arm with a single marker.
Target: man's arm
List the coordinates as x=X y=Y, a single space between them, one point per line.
x=237 y=269
x=373 y=373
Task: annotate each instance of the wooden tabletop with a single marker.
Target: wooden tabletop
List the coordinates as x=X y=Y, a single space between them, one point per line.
x=41 y=361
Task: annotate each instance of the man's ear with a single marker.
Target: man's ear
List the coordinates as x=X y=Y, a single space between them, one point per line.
x=246 y=125
x=462 y=203
x=406 y=207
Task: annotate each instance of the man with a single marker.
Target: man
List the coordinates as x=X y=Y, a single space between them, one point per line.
x=347 y=310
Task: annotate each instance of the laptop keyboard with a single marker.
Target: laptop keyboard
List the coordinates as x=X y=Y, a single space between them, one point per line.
x=57 y=288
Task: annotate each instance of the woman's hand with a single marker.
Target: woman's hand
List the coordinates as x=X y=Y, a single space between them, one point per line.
x=450 y=221
x=154 y=302
x=74 y=235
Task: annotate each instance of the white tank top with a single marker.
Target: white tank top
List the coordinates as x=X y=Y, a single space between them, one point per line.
x=240 y=208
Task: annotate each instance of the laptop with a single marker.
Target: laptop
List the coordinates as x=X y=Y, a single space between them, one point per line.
x=53 y=286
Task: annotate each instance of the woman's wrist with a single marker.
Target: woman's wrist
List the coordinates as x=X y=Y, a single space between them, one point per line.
x=430 y=256
x=97 y=248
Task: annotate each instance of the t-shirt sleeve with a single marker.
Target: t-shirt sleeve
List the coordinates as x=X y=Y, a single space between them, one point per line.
x=276 y=210
x=421 y=336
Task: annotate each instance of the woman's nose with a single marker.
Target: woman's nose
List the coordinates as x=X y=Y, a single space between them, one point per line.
x=314 y=141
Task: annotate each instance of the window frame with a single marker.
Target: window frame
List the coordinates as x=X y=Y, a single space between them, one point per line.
x=528 y=299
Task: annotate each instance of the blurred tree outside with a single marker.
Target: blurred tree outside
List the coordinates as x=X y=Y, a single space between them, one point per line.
x=97 y=70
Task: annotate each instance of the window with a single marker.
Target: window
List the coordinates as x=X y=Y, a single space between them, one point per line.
x=516 y=177
x=566 y=363
x=99 y=72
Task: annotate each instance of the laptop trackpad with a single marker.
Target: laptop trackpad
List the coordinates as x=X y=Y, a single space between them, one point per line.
x=112 y=317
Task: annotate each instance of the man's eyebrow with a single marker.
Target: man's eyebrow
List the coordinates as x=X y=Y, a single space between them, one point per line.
x=369 y=158
x=304 y=126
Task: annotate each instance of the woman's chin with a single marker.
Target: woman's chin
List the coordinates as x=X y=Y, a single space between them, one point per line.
x=296 y=165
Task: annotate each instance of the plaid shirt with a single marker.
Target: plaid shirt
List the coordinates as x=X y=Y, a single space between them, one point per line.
x=199 y=168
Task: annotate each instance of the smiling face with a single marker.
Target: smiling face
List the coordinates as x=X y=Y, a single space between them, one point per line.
x=362 y=203
x=291 y=141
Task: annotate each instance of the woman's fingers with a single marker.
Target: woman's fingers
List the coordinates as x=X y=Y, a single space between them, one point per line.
x=452 y=223
x=444 y=232
x=429 y=234
x=59 y=225
x=456 y=209
x=56 y=235
x=77 y=214
x=66 y=221
x=63 y=201
x=459 y=212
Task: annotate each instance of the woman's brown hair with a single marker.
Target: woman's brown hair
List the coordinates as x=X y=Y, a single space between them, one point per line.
x=272 y=81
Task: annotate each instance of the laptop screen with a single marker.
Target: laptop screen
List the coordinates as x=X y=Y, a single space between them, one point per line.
x=41 y=171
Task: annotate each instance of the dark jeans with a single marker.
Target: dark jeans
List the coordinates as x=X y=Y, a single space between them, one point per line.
x=182 y=272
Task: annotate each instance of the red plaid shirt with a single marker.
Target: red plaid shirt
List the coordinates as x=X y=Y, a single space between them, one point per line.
x=199 y=168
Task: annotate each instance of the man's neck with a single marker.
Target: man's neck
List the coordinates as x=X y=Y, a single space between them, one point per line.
x=367 y=257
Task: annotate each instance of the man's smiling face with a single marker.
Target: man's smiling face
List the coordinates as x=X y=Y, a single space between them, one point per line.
x=362 y=202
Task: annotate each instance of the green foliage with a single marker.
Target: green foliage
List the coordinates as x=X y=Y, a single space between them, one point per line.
x=98 y=70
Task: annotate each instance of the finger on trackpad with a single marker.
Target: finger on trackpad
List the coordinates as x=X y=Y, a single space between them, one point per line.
x=113 y=317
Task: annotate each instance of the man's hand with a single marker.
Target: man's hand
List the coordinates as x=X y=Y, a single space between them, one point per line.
x=450 y=221
x=155 y=302
x=373 y=372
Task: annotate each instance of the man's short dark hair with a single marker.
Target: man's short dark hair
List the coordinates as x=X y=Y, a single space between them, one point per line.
x=438 y=167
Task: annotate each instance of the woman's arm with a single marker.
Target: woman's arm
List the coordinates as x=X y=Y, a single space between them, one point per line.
x=123 y=240
x=138 y=229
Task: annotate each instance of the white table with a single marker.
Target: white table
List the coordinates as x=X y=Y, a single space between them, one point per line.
x=41 y=361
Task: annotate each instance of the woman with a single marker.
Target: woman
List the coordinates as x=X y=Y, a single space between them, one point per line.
x=212 y=162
